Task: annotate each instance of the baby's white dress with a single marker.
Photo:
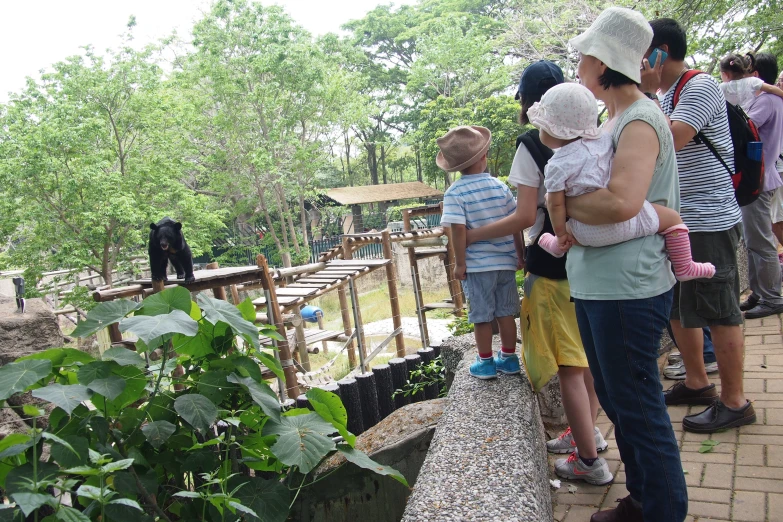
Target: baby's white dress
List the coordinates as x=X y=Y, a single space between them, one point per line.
x=585 y=166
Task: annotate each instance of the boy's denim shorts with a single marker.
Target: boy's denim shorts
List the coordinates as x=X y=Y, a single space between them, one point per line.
x=490 y=295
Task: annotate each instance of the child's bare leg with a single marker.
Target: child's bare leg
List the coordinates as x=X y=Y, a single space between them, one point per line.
x=576 y=402
x=483 y=334
x=508 y=334
x=678 y=245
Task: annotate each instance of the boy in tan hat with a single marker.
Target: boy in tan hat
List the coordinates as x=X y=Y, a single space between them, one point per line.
x=487 y=268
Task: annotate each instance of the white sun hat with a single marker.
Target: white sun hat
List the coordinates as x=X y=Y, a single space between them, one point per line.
x=619 y=37
x=567 y=111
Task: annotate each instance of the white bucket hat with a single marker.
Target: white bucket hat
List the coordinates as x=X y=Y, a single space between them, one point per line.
x=567 y=111
x=619 y=37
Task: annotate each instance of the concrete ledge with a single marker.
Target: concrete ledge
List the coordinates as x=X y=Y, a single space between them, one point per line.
x=487 y=460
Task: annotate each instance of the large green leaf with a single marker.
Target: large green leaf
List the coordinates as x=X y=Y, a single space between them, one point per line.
x=103 y=315
x=110 y=387
x=158 y=432
x=17 y=376
x=214 y=385
x=331 y=409
x=272 y=363
x=15 y=444
x=177 y=298
x=197 y=346
x=135 y=383
x=66 y=397
x=218 y=310
x=270 y=499
x=123 y=357
x=363 y=461
x=248 y=310
x=29 y=501
x=197 y=410
x=151 y=327
x=94 y=370
x=60 y=356
x=161 y=407
x=302 y=440
x=67 y=459
x=68 y=514
x=11 y=514
x=261 y=394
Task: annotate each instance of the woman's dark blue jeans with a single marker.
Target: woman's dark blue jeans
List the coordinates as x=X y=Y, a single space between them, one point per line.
x=621 y=340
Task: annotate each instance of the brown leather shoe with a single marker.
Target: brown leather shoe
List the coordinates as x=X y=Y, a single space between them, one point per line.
x=681 y=394
x=626 y=511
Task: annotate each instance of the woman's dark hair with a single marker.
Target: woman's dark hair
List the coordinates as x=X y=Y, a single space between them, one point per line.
x=612 y=78
x=527 y=101
x=736 y=66
x=667 y=31
x=766 y=65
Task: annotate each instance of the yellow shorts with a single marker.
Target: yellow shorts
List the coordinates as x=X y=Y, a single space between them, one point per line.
x=550 y=335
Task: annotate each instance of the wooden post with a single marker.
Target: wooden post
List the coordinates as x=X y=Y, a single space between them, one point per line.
x=320 y=318
x=348 y=254
x=394 y=300
x=219 y=291
x=235 y=295
x=455 y=287
x=273 y=312
x=415 y=280
x=346 y=315
x=114 y=333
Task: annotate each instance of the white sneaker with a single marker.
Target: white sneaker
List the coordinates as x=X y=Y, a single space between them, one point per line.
x=565 y=443
x=573 y=468
x=676 y=371
x=674 y=357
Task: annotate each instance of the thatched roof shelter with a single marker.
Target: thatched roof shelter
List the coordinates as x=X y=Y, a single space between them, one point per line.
x=350 y=196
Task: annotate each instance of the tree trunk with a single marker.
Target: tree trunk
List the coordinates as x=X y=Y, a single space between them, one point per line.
x=283 y=227
x=372 y=161
x=418 y=165
x=446 y=180
x=270 y=225
x=383 y=163
x=348 y=157
x=287 y=217
x=303 y=213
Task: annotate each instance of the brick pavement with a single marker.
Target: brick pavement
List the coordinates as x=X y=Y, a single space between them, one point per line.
x=742 y=478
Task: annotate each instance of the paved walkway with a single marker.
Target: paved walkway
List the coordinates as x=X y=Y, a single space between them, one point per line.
x=742 y=478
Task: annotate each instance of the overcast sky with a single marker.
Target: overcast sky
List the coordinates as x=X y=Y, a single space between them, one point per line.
x=37 y=33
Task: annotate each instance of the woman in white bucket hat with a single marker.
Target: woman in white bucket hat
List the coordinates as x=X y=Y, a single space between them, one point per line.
x=623 y=292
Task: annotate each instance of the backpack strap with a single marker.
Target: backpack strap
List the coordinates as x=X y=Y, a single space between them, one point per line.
x=685 y=78
x=700 y=137
x=537 y=150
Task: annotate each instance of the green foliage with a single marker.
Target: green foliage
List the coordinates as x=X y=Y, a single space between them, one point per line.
x=460 y=325
x=132 y=439
x=425 y=375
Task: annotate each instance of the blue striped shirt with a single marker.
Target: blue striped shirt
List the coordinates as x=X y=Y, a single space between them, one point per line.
x=476 y=200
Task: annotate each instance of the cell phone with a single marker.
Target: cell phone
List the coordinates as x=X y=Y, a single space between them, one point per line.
x=654 y=56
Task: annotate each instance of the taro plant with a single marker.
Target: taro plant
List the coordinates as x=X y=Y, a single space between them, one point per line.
x=131 y=437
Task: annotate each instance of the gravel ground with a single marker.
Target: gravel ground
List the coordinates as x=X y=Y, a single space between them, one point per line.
x=438 y=328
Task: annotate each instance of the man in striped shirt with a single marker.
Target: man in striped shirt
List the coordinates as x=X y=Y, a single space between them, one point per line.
x=709 y=209
x=487 y=268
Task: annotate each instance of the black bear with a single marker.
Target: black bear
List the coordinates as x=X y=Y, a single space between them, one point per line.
x=168 y=244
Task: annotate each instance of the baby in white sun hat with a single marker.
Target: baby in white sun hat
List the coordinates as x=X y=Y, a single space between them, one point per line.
x=567 y=119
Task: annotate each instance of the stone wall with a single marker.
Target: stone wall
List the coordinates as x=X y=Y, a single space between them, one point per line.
x=488 y=458
x=21 y=334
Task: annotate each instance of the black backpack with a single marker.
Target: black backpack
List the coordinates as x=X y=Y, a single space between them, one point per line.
x=537 y=260
x=748 y=175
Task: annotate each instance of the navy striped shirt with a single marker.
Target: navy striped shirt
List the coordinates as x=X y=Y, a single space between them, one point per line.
x=476 y=200
x=707 y=202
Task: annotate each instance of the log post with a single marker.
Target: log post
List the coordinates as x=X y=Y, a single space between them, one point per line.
x=273 y=312
x=235 y=295
x=455 y=287
x=348 y=254
x=394 y=300
x=346 y=315
x=320 y=318
x=415 y=280
x=219 y=291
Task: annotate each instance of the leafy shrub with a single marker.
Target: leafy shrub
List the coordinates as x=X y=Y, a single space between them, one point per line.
x=460 y=325
x=425 y=375
x=132 y=438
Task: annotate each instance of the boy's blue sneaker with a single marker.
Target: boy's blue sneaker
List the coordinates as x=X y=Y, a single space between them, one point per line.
x=508 y=364
x=483 y=368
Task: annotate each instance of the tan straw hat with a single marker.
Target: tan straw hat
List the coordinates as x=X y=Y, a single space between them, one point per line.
x=462 y=146
x=619 y=37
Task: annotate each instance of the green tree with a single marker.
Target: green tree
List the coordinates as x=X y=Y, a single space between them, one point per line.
x=91 y=154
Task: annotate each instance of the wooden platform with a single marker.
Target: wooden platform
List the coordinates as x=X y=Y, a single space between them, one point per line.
x=309 y=286
x=216 y=275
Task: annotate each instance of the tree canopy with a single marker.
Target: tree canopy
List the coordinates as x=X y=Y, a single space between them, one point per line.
x=255 y=117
